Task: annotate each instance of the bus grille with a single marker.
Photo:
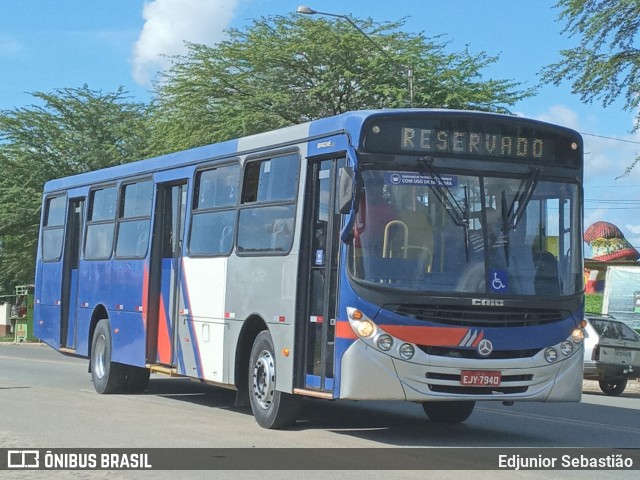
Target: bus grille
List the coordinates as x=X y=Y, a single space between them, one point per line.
x=473 y=353
x=479 y=316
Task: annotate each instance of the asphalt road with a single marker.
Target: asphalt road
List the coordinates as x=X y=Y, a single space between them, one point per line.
x=48 y=401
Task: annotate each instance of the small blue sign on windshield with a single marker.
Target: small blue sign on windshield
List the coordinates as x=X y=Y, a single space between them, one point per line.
x=412 y=179
x=498 y=281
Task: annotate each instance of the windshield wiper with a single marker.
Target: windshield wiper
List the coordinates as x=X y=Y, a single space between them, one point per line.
x=512 y=215
x=522 y=198
x=459 y=214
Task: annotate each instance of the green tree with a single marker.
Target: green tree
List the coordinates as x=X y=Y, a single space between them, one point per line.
x=72 y=131
x=281 y=71
x=605 y=66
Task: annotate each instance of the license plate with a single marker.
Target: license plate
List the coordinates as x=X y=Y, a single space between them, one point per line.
x=624 y=354
x=480 y=378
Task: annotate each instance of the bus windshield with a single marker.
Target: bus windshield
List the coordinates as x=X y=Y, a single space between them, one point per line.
x=489 y=233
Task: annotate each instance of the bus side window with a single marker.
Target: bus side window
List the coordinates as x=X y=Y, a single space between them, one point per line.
x=53 y=228
x=214 y=211
x=100 y=225
x=134 y=219
x=265 y=224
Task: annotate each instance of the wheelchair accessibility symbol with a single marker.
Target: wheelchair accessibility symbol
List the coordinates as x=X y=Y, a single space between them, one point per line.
x=499 y=282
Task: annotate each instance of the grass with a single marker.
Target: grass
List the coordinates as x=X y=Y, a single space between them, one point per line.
x=593 y=303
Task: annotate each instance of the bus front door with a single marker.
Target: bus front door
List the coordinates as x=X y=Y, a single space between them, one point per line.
x=320 y=267
x=71 y=259
x=165 y=299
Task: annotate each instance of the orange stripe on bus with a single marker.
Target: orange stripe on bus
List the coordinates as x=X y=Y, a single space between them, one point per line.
x=431 y=336
x=343 y=330
x=164 y=345
x=145 y=297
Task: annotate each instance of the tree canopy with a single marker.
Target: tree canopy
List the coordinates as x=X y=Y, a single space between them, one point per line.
x=71 y=131
x=605 y=66
x=276 y=72
x=281 y=71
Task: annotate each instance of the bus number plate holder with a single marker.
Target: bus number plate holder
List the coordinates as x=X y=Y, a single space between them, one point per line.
x=480 y=378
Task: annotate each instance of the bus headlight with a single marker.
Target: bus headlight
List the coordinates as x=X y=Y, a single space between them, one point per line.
x=362 y=326
x=365 y=328
x=384 y=342
x=550 y=354
x=566 y=348
x=406 y=351
x=577 y=336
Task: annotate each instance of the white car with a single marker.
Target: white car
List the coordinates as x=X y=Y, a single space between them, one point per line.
x=611 y=353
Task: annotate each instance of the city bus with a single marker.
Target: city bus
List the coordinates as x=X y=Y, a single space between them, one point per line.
x=429 y=256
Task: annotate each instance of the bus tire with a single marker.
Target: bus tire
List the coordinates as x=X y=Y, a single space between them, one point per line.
x=107 y=376
x=272 y=409
x=613 y=388
x=137 y=379
x=448 y=412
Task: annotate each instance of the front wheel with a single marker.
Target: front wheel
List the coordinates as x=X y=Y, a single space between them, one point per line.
x=107 y=376
x=448 y=412
x=271 y=408
x=613 y=388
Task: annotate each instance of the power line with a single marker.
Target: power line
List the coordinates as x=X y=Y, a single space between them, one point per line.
x=611 y=138
x=611 y=186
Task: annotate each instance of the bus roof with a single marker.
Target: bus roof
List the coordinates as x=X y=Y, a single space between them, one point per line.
x=349 y=123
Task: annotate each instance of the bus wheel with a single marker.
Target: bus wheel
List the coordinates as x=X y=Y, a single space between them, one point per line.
x=613 y=388
x=107 y=376
x=271 y=408
x=448 y=412
x=137 y=379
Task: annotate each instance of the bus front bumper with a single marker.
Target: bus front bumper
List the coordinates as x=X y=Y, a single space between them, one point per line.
x=368 y=374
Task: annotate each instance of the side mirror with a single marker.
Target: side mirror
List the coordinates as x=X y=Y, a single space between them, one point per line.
x=345 y=189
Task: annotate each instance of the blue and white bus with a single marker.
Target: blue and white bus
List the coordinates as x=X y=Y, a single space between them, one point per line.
x=430 y=256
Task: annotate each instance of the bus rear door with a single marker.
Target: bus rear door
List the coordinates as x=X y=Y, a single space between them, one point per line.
x=71 y=259
x=165 y=297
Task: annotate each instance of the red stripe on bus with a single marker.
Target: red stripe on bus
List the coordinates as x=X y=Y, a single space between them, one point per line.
x=477 y=341
x=344 y=330
x=430 y=336
x=164 y=344
x=145 y=297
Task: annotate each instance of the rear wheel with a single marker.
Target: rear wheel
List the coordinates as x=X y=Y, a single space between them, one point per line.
x=107 y=376
x=271 y=408
x=613 y=387
x=448 y=412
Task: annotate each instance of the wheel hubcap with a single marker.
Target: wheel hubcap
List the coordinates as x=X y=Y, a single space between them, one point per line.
x=264 y=377
x=99 y=354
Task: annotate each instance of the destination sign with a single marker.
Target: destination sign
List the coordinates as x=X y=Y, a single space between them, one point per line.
x=472 y=143
x=473 y=136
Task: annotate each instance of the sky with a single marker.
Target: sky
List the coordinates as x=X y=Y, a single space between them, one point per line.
x=47 y=45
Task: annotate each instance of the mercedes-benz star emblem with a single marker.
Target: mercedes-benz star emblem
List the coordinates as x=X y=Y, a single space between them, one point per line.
x=485 y=347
